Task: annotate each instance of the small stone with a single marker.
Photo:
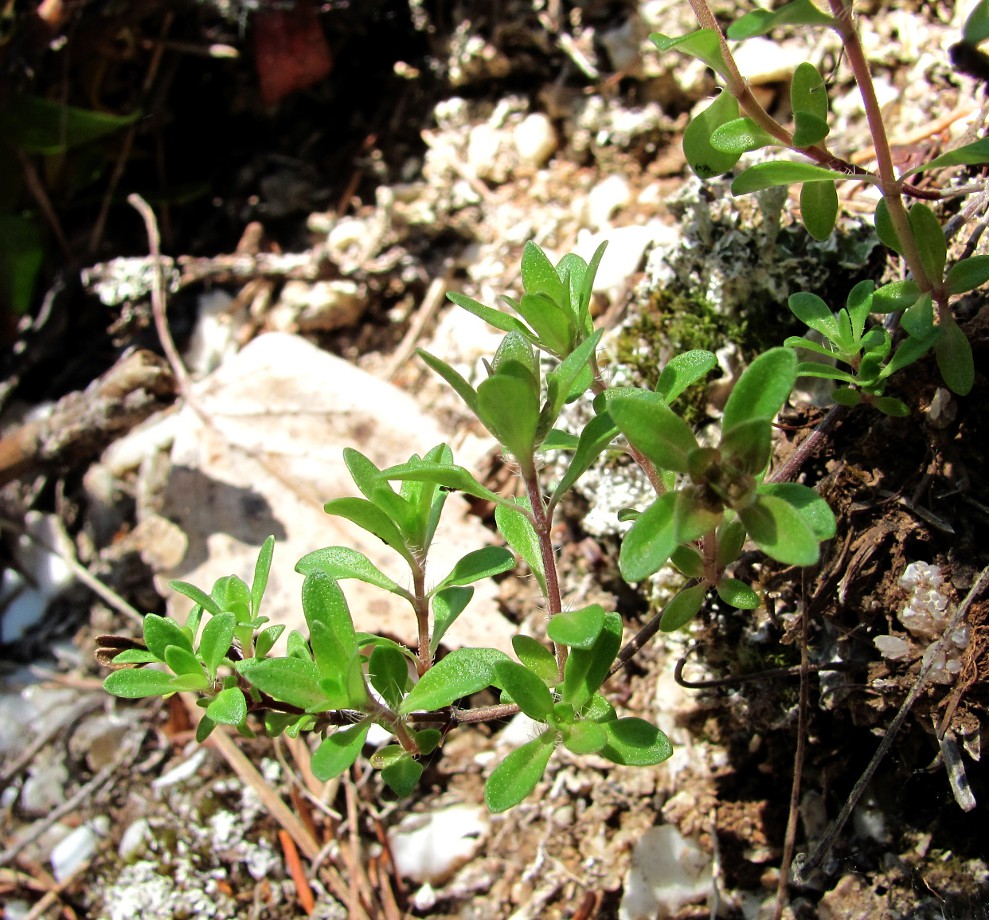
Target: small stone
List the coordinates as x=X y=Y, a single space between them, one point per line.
x=763 y=61
x=535 y=139
x=429 y=848
x=71 y=852
x=607 y=197
x=892 y=647
x=668 y=871
x=319 y=307
x=485 y=153
x=134 y=839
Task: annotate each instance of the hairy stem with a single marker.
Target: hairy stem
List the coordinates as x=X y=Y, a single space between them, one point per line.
x=420 y=603
x=542 y=520
x=892 y=188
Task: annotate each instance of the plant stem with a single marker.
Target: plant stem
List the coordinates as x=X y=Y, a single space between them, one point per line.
x=421 y=604
x=891 y=187
x=542 y=520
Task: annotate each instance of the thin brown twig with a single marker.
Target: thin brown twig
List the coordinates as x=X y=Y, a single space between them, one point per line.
x=803 y=703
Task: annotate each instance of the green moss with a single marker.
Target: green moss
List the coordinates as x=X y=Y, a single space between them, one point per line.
x=672 y=323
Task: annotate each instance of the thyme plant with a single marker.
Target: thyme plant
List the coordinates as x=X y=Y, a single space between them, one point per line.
x=710 y=499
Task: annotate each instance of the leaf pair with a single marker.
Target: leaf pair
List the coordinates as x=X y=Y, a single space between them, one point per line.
x=556 y=305
x=865 y=351
x=573 y=710
x=721 y=496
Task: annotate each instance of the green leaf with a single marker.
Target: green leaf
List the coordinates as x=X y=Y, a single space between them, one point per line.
x=204 y=729
x=731 y=539
x=537 y=658
x=688 y=561
x=136 y=683
x=819 y=208
x=587 y=669
x=706 y=161
x=343 y=562
x=370 y=517
x=232 y=595
x=161 y=632
x=339 y=751
x=550 y=322
x=738 y=594
x=897 y=295
x=918 y=319
x=968 y=155
x=586 y=285
x=815 y=511
x=402 y=775
x=519 y=773
x=39 y=126
x=539 y=275
x=228 y=707
x=968 y=274
x=462 y=388
x=577 y=628
x=290 y=680
x=560 y=382
x=683 y=608
x=22 y=254
x=650 y=541
x=447 y=476
x=748 y=446
x=525 y=688
x=463 y=672
x=196 y=595
x=808 y=92
x=652 y=427
x=367 y=478
x=516 y=527
x=509 y=409
x=595 y=437
x=976 y=27
x=910 y=350
x=599 y=710
x=780 y=172
x=586 y=737
x=704 y=44
x=763 y=387
x=780 y=531
x=859 y=305
x=218 y=633
x=478 y=564
x=884 y=228
x=693 y=516
x=931 y=244
x=759 y=22
x=809 y=130
x=740 y=135
x=823 y=371
x=135 y=656
x=388 y=672
x=266 y=640
x=190 y=682
x=261 y=569
x=557 y=439
x=448 y=604
x=635 y=742
x=683 y=370
x=492 y=317
x=954 y=358
x=515 y=358
x=890 y=406
x=323 y=601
